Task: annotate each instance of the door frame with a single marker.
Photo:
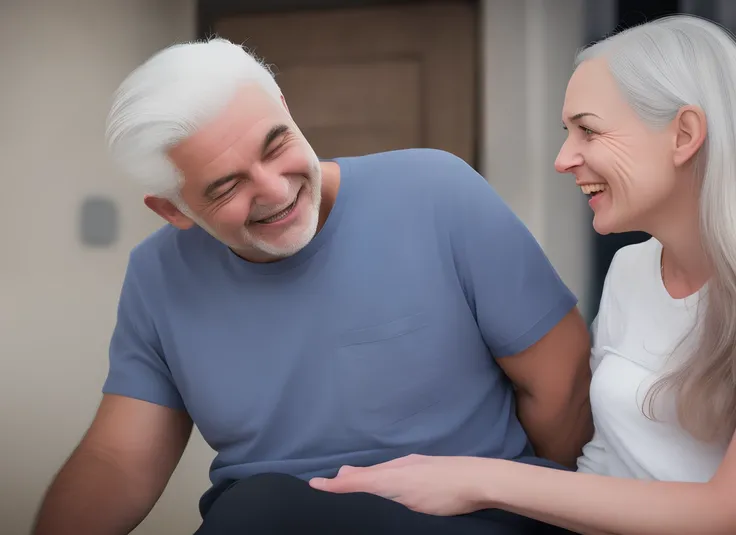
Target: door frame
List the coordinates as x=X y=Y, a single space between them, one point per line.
x=209 y=11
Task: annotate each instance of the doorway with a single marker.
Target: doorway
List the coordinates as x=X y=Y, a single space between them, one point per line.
x=372 y=77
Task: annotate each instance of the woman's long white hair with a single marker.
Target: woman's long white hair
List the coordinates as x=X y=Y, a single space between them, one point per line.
x=661 y=66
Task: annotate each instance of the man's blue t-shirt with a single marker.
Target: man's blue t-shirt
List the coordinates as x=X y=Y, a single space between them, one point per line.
x=375 y=341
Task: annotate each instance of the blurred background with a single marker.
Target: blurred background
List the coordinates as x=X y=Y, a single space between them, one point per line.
x=484 y=79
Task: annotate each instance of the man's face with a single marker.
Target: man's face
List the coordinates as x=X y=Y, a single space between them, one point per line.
x=251 y=179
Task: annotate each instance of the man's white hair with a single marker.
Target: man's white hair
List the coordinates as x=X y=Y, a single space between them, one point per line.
x=168 y=98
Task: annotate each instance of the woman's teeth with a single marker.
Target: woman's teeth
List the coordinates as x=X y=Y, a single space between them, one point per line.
x=589 y=189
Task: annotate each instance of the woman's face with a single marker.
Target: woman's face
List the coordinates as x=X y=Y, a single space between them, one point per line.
x=627 y=169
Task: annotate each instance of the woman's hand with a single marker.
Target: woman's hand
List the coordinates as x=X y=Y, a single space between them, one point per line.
x=443 y=486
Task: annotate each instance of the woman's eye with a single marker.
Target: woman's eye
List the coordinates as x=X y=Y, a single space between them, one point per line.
x=587 y=131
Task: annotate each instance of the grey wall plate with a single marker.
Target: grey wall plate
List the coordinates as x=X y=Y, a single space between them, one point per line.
x=98 y=222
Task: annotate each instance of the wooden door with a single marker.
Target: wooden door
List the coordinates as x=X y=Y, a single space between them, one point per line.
x=370 y=79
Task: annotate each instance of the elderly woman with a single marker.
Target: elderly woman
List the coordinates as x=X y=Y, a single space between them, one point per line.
x=651 y=121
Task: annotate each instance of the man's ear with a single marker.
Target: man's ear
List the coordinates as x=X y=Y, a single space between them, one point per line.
x=166 y=209
x=283 y=101
x=691 y=128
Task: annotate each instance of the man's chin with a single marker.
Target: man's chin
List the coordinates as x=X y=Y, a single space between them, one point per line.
x=283 y=250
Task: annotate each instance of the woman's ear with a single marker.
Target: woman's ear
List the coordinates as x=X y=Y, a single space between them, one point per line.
x=691 y=129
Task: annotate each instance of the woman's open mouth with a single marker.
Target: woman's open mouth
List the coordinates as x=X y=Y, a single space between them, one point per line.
x=591 y=190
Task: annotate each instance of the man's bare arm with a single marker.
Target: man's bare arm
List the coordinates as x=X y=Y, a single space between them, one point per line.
x=552 y=380
x=118 y=472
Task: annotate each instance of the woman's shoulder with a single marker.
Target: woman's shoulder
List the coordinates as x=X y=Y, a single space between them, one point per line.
x=633 y=267
x=635 y=259
x=629 y=283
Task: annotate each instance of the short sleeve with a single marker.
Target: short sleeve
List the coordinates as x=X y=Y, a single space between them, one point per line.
x=515 y=293
x=137 y=368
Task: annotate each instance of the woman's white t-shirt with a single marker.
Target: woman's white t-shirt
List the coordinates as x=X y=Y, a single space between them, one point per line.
x=634 y=334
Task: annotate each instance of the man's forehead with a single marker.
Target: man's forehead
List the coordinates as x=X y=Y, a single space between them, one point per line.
x=251 y=102
x=247 y=118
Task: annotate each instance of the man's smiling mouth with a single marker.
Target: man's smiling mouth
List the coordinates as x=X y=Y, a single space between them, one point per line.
x=278 y=216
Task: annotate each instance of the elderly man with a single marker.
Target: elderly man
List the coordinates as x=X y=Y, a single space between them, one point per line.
x=308 y=315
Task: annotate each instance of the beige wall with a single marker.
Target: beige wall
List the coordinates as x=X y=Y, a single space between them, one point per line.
x=60 y=61
x=533 y=44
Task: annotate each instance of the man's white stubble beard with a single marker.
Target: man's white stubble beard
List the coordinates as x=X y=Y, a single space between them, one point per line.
x=314 y=187
x=307 y=233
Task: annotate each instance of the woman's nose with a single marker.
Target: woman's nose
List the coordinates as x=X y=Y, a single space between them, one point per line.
x=568 y=158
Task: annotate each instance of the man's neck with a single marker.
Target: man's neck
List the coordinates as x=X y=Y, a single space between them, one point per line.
x=330 y=187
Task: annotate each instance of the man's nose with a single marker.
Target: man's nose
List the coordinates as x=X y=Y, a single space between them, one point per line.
x=269 y=188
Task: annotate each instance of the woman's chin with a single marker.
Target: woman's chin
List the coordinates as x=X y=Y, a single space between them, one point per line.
x=603 y=225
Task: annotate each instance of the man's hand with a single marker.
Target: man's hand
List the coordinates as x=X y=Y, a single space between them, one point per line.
x=552 y=380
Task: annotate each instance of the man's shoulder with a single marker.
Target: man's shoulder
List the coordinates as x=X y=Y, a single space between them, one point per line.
x=166 y=248
x=413 y=156
x=152 y=246
x=420 y=171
